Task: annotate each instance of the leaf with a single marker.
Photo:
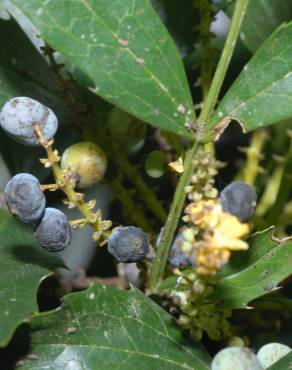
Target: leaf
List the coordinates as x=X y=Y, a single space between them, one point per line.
x=284 y=363
x=243 y=259
x=105 y=328
x=262 y=93
x=123 y=47
x=180 y=17
x=24 y=72
x=23 y=265
x=265 y=265
x=261 y=19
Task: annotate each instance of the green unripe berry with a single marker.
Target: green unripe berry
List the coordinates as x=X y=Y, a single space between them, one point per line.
x=271 y=353
x=125 y=129
x=85 y=162
x=155 y=164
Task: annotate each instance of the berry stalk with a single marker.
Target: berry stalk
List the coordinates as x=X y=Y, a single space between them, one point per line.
x=94 y=219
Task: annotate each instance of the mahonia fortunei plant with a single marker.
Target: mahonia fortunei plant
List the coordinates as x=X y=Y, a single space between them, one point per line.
x=190 y=216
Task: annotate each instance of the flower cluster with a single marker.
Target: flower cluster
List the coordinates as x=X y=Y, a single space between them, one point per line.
x=218 y=233
x=198 y=313
x=202 y=181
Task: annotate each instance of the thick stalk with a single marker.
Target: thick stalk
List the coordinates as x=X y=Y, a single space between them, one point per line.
x=211 y=100
x=158 y=267
x=169 y=229
x=205 y=37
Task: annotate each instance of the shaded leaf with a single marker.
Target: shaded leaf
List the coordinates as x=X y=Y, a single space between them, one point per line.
x=264 y=266
x=262 y=93
x=23 y=264
x=124 y=48
x=180 y=18
x=105 y=328
x=261 y=19
x=24 y=72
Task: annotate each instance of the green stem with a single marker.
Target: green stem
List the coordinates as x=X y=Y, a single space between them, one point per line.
x=284 y=191
x=169 y=229
x=271 y=192
x=205 y=37
x=253 y=155
x=210 y=102
x=134 y=213
x=159 y=264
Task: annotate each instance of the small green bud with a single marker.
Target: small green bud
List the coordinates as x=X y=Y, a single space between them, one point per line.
x=125 y=129
x=155 y=164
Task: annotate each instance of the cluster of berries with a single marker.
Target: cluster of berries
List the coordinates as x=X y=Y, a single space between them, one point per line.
x=83 y=163
x=23 y=194
x=242 y=358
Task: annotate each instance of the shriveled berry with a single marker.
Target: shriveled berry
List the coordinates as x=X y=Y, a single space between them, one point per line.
x=128 y=244
x=271 y=353
x=53 y=232
x=238 y=358
x=125 y=129
x=24 y=197
x=178 y=255
x=85 y=162
x=239 y=199
x=19 y=116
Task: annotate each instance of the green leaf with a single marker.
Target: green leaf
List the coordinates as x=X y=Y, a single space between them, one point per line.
x=243 y=259
x=124 y=48
x=265 y=264
x=284 y=363
x=180 y=17
x=261 y=19
x=23 y=265
x=24 y=72
x=104 y=328
x=262 y=93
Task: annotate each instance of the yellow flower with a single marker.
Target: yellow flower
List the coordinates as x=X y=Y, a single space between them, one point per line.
x=220 y=233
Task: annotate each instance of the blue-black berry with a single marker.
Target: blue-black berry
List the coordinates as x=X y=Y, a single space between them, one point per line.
x=128 y=244
x=239 y=199
x=53 y=232
x=24 y=197
x=19 y=116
